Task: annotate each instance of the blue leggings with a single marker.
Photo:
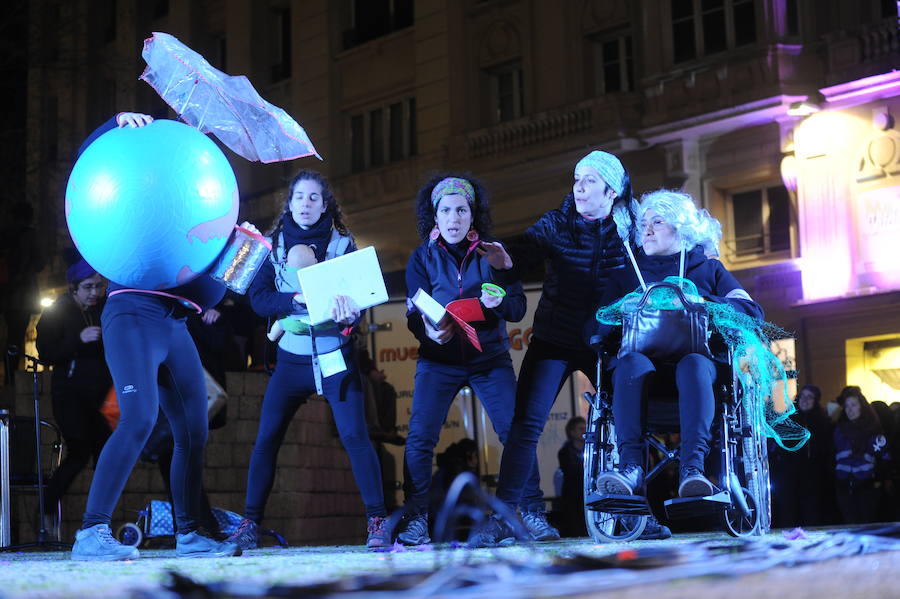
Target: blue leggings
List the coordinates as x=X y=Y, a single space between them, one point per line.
x=544 y=370
x=140 y=334
x=289 y=387
x=436 y=385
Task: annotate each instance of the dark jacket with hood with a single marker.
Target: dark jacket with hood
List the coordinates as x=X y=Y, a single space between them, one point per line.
x=580 y=255
x=448 y=273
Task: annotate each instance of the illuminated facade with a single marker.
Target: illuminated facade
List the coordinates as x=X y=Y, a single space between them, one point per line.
x=777 y=115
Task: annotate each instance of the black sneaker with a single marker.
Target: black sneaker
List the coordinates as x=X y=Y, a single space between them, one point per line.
x=624 y=481
x=654 y=531
x=495 y=532
x=537 y=524
x=694 y=483
x=415 y=530
x=379 y=536
x=246 y=536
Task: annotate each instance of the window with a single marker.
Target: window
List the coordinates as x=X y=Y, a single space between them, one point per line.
x=506 y=95
x=280 y=42
x=370 y=19
x=611 y=63
x=760 y=222
x=707 y=27
x=383 y=134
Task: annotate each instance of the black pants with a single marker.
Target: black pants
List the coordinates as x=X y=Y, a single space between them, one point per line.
x=85 y=431
x=694 y=378
x=141 y=333
x=289 y=387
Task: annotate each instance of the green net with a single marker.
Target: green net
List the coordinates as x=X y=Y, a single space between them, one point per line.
x=760 y=373
x=300 y=326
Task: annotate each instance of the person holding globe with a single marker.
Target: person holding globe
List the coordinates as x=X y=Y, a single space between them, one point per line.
x=145 y=339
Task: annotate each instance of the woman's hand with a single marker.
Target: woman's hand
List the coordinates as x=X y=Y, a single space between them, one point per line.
x=133 y=119
x=494 y=253
x=488 y=300
x=344 y=310
x=210 y=316
x=439 y=335
x=89 y=334
x=250 y=227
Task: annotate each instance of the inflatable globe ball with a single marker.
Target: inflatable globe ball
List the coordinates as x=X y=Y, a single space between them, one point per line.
x=151 y=207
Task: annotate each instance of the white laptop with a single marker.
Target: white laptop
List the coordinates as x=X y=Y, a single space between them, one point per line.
x=357 y=275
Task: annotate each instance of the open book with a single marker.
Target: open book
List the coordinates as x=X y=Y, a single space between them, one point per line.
x=461 y=311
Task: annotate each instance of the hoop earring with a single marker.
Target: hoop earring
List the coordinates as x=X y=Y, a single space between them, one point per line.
x=435 y=233
x=472 y=235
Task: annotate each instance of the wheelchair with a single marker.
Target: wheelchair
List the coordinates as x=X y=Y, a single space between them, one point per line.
x=743 y=501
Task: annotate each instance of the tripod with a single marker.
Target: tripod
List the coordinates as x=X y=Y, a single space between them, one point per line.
x=42 y=541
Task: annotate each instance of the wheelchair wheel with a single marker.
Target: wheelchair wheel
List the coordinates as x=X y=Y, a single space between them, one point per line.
x=755 y=460
x=130 y=534
x=739 y=524
x=600 y=455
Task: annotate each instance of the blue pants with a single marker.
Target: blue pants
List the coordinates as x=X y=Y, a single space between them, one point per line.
x=289 y=387
x=694 y=378
x=436 y=385
x=141 y=333
x=544 y=370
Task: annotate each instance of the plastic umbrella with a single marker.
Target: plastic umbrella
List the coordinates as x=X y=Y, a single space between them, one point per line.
x=228 y=107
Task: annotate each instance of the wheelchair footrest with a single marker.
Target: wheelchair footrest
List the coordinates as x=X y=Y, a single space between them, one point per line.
x=691 y=507
x=618 y=504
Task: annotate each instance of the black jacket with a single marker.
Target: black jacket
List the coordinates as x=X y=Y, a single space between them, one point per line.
x=449 y=274
x=580 y=256
x=713 y=283
x=75 y=364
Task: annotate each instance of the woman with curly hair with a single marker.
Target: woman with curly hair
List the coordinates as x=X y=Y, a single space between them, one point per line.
x=858 y=442
x=311 y=359
x=455 y=260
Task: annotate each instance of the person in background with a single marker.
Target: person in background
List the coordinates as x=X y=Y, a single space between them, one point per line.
x=69 y=339
x=859 y=443
x=803 y=480
x=571 y=463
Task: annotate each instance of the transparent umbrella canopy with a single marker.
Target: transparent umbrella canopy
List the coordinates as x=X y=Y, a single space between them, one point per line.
x=224 y=105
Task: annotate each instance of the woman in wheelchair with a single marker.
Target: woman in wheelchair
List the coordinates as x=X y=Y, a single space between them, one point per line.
x=673 y=235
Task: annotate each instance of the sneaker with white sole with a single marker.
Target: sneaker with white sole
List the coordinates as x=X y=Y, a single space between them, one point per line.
x=694 y=483
x=97 y=544
x=196 y=544
x=625 y=481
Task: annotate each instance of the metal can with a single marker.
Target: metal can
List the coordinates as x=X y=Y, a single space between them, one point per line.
x=240 y=260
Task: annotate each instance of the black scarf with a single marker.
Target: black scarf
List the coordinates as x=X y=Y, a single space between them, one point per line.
x=317 y=236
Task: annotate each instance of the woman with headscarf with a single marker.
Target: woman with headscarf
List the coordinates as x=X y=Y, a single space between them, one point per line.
x=456 y=260
x=581 y=244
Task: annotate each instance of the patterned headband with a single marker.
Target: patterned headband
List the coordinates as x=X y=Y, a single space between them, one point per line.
x=609 y=167
x=452 y=186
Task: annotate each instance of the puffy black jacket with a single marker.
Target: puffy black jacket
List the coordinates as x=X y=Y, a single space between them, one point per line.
x=580 y=256
x=447 y=274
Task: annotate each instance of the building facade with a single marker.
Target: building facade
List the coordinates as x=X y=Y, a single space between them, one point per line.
x=779 y=116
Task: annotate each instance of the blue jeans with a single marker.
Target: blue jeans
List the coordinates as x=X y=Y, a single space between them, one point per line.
x=141 y=333
x=694 y=378
x=289 y=387
x=436 y=385
x=544 y=371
